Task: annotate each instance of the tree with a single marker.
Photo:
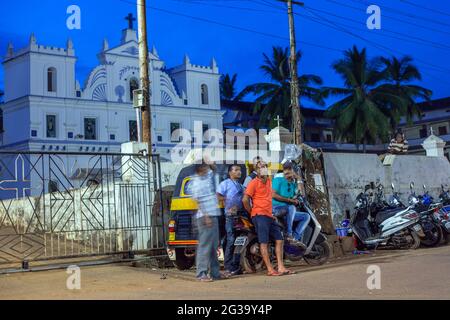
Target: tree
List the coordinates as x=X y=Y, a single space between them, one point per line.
x=274 y=98
x=400 y=73
x=358 y=116
x=227 y=87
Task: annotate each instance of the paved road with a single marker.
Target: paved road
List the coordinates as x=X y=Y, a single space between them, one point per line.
x=420 y=274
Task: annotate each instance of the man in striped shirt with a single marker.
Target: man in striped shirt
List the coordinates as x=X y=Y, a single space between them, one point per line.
x=204 y=187
x=398 y=145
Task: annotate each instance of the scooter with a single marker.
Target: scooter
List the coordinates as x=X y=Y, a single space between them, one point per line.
x=317 y=250
x=376 y=223
x=427 y=210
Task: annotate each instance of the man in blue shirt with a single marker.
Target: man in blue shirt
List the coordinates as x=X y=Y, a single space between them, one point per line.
x=231 y=191
x=284 y=202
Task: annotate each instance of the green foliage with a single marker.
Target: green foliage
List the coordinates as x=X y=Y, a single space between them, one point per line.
x=273 y=98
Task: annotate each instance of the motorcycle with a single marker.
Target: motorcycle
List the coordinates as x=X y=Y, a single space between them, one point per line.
x=378 y=223
x=428 y=211
x=317 y=250
x=443 y=216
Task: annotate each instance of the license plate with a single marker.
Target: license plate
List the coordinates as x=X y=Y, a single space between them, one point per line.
x=240 y=241
x=417 y=228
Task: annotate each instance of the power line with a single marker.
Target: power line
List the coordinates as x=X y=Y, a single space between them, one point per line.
x=407 y=39
x=406 y=14
x=403 y=37
x=386 y=49
x=333 y=25
x=233 y=26
x=393 y=18
x=426 y=8
x=214 y=4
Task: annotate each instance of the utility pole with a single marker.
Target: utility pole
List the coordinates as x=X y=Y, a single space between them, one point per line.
x=144 y=72
x=295 y=94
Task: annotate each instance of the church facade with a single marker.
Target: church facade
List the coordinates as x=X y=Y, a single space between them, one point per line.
x=46 y=109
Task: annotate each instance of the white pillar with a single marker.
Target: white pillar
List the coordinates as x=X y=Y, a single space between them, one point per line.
x=434 y=146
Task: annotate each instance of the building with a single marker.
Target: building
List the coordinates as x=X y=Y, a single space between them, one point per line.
x=318 y=129
x=46 y=109
x=436 y=119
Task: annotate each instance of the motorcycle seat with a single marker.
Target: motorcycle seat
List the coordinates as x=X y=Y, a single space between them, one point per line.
x=385 y=214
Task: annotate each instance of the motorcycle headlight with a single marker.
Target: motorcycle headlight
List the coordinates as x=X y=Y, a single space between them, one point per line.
x=413 y=201
x=393 y=202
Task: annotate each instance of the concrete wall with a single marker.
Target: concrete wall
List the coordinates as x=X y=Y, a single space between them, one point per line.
x=347 y=174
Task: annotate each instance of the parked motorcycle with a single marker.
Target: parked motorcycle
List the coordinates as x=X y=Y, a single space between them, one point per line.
x=317 y=250
x=376 y=222
x=443 y=216
x=427 y=209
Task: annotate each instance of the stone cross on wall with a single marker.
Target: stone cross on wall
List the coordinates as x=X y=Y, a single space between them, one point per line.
x=130 y=20
x=278 y=119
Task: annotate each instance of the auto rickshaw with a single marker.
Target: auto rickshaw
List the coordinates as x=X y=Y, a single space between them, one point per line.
x=182 y=237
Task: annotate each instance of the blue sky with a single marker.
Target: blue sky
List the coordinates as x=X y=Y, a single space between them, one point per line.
x=406 y=29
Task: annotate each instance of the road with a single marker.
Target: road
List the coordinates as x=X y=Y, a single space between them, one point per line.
x=420 y=274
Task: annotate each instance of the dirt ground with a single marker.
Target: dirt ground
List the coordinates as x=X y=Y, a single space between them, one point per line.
x=420 y=274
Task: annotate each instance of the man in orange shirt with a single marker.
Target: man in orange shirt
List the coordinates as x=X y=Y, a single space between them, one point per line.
x=259 y=191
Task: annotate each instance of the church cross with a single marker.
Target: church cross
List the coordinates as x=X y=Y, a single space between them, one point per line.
x=278 y=119
x=130 y=20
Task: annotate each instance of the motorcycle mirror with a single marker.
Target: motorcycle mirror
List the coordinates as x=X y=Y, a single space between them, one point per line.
x=411 y=185
x=392 y=186
x=424 y=187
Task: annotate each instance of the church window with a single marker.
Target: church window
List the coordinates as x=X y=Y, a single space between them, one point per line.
x=175 y=132
x=132 y=127
x=134 y=85
x=90 y=129
x=204 y=92
x=51 y=80
x=51 y=126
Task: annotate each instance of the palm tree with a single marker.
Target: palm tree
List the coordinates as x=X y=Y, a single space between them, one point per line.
x=358 y=116
x=400 y=73
x=274 y=98
x=227 y=87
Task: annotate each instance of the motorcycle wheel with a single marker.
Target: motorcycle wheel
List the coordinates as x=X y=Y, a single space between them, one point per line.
x=446 y=237
x=415 y=240
x=323 y=254
x=432 y=237
x=183 y=261
x=251 y=259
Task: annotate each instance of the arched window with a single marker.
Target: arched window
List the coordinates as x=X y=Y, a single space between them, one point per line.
x=134 y=85
x=204 y=89
x=51 y=80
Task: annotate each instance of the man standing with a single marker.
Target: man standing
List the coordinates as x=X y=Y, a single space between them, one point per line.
x=207 y=222
x=260 y=192
x=284 y=191
x=231 y=191
x=253 y=174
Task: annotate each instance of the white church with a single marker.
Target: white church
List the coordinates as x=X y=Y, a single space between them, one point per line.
x=46 y=109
